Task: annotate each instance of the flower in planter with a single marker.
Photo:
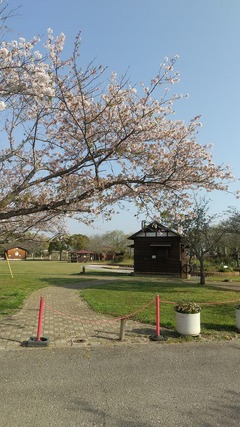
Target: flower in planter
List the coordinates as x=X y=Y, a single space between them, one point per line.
x=187 y=307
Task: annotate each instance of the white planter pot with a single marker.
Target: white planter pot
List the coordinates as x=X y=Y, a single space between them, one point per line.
x=188 y=324
x=237 y=312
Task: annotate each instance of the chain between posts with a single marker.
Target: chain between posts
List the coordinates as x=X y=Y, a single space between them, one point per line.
x=205 y=303
x=123 y=318
x=126 y=316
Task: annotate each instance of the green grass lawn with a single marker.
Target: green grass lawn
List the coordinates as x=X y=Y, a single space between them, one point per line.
x=121 y=297
x=29 y=276
x=112 y=293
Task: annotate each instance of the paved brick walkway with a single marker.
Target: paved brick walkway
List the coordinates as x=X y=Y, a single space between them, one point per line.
x=67 y=321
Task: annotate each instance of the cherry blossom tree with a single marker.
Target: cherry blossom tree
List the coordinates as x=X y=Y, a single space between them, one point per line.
x=81 y=142
x=6 y=13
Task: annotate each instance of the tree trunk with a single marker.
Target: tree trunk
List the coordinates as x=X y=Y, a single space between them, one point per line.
x=237 y=259
x=202 y=272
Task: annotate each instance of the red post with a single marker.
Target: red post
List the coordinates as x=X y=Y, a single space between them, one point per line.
x=40 y=318
x=158 y=337
x=157 y=315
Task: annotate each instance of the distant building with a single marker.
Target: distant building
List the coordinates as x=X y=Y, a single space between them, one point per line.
x=157 y=250
x=16 y=253
x=82 y=256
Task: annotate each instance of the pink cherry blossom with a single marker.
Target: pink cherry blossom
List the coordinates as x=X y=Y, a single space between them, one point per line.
x=72 y=144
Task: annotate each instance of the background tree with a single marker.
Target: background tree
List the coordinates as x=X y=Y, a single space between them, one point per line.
x=37 y=246
x=199 y=234
x=116 y=243
x=59 y=243
x=73 y=144
x=113 y=242
x=96 y=245
x=231 y=244
x=78 y=241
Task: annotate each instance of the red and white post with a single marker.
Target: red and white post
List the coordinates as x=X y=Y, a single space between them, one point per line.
x=38 y=341
x=40 y=316
x=158 y=336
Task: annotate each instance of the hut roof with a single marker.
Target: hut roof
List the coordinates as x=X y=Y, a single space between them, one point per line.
x=154 y=226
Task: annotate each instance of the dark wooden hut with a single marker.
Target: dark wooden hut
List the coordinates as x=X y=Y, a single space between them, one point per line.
x=157 y=250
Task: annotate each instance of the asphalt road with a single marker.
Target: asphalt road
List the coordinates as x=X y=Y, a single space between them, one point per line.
x=146 y=385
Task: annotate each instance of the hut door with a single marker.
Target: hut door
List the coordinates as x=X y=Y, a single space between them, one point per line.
x=160 y=253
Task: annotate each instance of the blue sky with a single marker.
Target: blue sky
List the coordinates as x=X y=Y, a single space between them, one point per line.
x=136 y=35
